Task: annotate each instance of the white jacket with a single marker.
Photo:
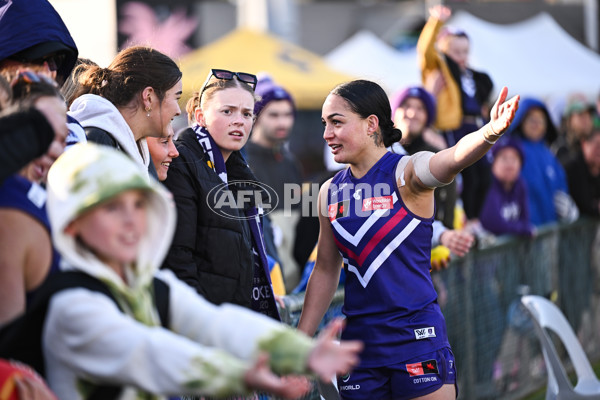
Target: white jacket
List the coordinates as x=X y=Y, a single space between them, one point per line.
x=91 y=110
x=87 y=339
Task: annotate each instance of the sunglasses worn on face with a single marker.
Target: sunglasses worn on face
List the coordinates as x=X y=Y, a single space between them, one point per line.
x=55 y=60
x=226 y=75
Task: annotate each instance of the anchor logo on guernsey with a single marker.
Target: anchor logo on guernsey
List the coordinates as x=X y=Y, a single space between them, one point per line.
x=338 y=210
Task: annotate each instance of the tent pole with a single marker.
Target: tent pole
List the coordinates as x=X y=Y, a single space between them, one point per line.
x=590 y=23
x=253 y=14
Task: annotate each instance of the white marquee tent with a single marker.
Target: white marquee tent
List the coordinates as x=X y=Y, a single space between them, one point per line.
x=368 y=57
x=535 y=57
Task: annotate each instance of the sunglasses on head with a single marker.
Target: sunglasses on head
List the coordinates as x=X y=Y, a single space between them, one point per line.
x=226 y=75
x=31 y=77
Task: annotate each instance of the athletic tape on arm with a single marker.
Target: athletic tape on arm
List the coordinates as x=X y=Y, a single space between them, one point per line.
x=400 y=169
x=421 y=166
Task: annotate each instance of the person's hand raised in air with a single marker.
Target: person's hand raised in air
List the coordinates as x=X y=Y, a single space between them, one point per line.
x=440 y=12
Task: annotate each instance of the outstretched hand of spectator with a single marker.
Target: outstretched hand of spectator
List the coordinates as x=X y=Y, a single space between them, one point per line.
x=459 y=242
x=260 y=377
x=328 y=357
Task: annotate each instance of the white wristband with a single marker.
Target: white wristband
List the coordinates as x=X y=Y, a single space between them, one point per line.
x=486 y=139
x=488 y=134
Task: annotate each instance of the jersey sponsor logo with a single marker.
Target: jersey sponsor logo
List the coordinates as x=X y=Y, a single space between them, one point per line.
x=422 y=368
x=424 y=333
x=345 y=379
x=339 y=189
x=378 y=203
x=425 y=379
x=338 y=210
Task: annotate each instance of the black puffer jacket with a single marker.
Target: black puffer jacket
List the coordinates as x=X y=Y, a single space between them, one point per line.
x=483 y=82
x=210 y=252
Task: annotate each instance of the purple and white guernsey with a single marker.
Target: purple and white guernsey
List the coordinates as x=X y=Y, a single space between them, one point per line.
x=390 y=302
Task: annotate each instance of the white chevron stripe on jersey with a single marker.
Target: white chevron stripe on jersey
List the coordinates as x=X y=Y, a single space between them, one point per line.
x=357 y=237
x=385 y=253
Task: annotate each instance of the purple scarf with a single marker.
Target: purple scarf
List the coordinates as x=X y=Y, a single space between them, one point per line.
x=263 y=300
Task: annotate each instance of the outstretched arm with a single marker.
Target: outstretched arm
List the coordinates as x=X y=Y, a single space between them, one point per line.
x=428 y=56
x=428 y=170
x=261 y=377
x=446 y=164
x=212 y=350
x=327 y=358
x=440 y=12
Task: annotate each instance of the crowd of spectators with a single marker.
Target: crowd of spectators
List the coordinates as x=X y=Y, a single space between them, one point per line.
x=51 y=102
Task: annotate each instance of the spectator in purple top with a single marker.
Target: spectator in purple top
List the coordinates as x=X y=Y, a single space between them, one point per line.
x=506 y=209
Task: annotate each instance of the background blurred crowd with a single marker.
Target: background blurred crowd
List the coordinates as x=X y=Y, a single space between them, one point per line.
x=540 y=173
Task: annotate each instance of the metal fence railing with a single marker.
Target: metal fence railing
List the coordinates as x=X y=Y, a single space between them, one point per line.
x=497 y=353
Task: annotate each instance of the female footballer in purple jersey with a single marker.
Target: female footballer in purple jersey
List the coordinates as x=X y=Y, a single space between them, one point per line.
x=376 y=217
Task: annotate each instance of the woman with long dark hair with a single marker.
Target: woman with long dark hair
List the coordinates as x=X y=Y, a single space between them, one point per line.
x=135 y=97
x=376 y=220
